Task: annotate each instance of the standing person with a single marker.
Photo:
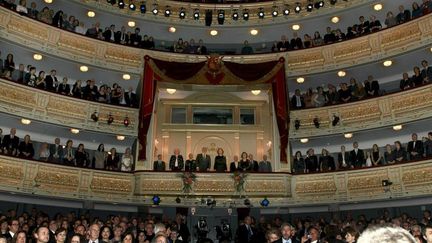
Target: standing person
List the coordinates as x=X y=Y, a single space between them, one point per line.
x=299 y=165
x=190 y=164
x=99 y=157
x=159 y=164
x=220 y=161
x=254 y=163
x=415 y=148
x=244 y=164
x=245 y=232
x=112 y=160
x=234 y=166
x=93 y=233
x=56 y=151
x=203 y=160
x=265 y=165
x=357 y=156
x=126 y=161
x=176 y=162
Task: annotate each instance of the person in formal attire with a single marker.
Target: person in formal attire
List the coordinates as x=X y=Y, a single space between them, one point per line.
x=52 y=226
x=399 y=153
x=10 y=143
x=190 y=164
x=182 y=228
x=313 y=236
x=18 y=74
x=311 y=162
x=406 y=82
x=403 y=16
x=283 y=44
x=13 y=226
x=68 y=154
x=25 y=148
x=176 y=162
x=389 y=156
x=64 y=87
x=253 y=163
x=130 y=97
x=245 y=231
x=220 y=164
x=44 y=152
x=113 y=160
x=297 y=100
x=159 y=164
x=417 y=79
x=299 y=166
x=287 y=234
x=376 y=155
x=357 y=156
x=344 y=159
x=326 y=161
x=203 y=160
x=351 y=235
x=41 y=234
x=244 y=164
x=428 y=146
x=264 y=165
x=135 y=38
x=99 y=157
x=126 y=162
x=56 y=151
x=121 y=36
x=81 y=156
x=415 y=148
x=234 y=165
x=426 y=72
x=60 y=235
x=109 y=34
x=51 y=81
x=273 y=235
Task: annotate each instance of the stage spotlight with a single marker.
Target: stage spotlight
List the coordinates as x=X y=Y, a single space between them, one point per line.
x=336 y=120
x=143 y=8
x=156 y=200
x=208 y=17
x=95 y=116
x=316 y=122
x=110 y=119
x=297 y=124
x=297 y=8
x=235 y=15
x=265 y=202
x=275 y=12
x=221 y=17
x=261 y=13
x=178 y=200
x=182 y=13
x=155 y=10
x=112 y=2
x=333 y=2
x=386 y=183
x=132 y=6
x=126 y=122
x=121 y=4
x=167 y=12
x=196 y=14
x=319 y=4
x=245 y=14
x=286 y=11
x=309 y=7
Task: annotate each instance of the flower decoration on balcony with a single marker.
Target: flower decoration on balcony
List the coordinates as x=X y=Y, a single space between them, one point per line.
x=188 y=179
x=239 y=181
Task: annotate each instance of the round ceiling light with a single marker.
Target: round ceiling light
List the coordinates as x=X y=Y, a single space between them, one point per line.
x=120 y=137
x=300 y=80
x=304 y=140
x=126 y=76
x=387 y=63
x=256 y=92
x=74 y=130
x=296 y=27
x=213 y=32
x=348 y=135
x=171 y=91
x=48 y=1
x=378 y=7
x=25 y=121
x=84 y=69
x=131 y=24
x=397 y=127
x=335 y=19
x=172 y=29
x=37 y=57
x=91 y=14
x=254 y=32
x=341 y=73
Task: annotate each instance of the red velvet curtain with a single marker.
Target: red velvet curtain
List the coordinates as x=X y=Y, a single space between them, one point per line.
x=281 y=109
x=146 y=110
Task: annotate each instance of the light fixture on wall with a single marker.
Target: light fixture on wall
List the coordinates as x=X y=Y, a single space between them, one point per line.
x=84 y=69
x=156 y=200
x=387 y=63
x=213 y=32
x=265 y=202
x=245 y=14
x=120 y=137
x=172 y=29
x=182 y=13
x=196 y=14
x=348 y=135
x=143 y=8
x=37 y=57
x=378 y=7
x=296 y=27
x=235 y=15
x=126 y=121
x=286 y=11
x=297 y=124
x=171 y=91
x=254 y=32
x=48 y=1
x=397 y=127
x=131 y=24
x=300 y=80
x=297 y=8
x=167 y=11
x=335 y=19
x=256 y=92
x=304 y=140
x=91 y=14
x=74 y=130
x=132 y=6
x=25 y=121
x=261 y=13
x=126 y=76
x=316 y=122
x=94 y=116
x=110 y=119
x=155 y=9
x=341 y=73
x=335 y=120
x=275 y=11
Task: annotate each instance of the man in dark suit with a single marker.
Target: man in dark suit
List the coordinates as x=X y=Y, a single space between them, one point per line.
x=297 y=101
x=10 y=143
x=159 y=164
x=94 y=31
x=13 y=226
x=121 y=37
x=135 y=38
x=311 y=162
x=235 y=164
x=245 y=232
x=254 y=163
x=109 y=34
x=203 y=160
x=130 y=97
x=415 y=148
x=176 y=162
x=64 y=87
x=357 y=157
x=286 y=232
x=52 y=81
x=182 y=228
x=56 y=151
x=52 y=229
x=343 y=159
x=313 y=236
x=426 y=72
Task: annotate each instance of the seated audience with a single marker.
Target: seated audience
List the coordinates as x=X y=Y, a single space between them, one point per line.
x=415 y=148
x=399 y=153
x=10 y=143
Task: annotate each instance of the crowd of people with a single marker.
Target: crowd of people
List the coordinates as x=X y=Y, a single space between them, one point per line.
x=12 y=145
x=203 y=162
x=358 y=158
x=354 y=91
x=38 y=227
x=134 y=37
x=88 y=90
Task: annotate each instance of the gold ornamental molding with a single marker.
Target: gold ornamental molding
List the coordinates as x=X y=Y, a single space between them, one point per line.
x=362 y=185
x=377 y=46
x=28 y=102
x=388 y=110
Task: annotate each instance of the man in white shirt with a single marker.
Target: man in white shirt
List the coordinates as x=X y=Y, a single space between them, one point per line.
x=312 y=237
x=13 y=228
x=93 y=233
x=176 y=162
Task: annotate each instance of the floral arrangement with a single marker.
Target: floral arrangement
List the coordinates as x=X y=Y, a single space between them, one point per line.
x=188 y=178
x=239 y=181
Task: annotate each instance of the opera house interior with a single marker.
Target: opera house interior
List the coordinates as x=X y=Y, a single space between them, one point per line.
x=246 y=121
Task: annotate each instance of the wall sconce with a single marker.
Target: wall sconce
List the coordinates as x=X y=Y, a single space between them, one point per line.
x=110 y=119
x=126 y=121
x=94 y=116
